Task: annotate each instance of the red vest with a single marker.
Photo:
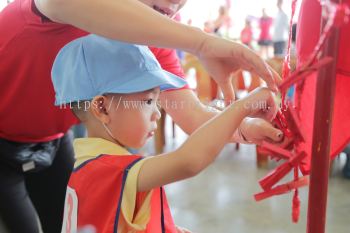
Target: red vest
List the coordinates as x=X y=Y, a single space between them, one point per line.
x=94 y=197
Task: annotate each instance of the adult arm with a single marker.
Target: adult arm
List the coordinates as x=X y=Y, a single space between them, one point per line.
x=131 y=21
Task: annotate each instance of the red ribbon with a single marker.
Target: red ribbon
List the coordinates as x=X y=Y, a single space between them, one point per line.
x=288 y=121
x=282 y=189
x=281 y=122
x=301 y=73
x=278 y=173
x=277 y=151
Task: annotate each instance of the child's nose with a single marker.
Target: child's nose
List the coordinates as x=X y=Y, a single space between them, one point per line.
x=156 y=114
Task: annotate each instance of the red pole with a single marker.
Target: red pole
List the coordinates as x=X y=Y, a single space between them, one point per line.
x=325 y=90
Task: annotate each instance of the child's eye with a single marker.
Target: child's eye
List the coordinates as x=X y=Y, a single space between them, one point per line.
x=149 y=101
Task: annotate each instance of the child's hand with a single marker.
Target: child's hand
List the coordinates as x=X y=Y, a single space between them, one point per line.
x=257 y=130
x=260 y=103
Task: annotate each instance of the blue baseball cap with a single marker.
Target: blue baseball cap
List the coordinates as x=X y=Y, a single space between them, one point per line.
x=94 y=65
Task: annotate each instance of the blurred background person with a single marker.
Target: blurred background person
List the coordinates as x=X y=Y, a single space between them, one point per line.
x=223 y=20
x=265 y=39
x=247 y=34
x=280 y=31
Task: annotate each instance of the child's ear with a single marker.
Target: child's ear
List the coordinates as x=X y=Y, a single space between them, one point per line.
x=99 y=108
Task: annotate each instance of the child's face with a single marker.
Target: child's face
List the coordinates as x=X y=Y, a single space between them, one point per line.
x=166 y=7
x=133 y=117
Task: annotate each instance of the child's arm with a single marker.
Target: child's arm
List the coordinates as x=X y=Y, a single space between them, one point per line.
x=189 y=113
x=202 y=147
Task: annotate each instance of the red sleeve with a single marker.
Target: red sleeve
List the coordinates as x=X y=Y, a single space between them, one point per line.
x=170 y=62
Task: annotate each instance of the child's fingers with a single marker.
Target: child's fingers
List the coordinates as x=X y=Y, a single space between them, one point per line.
x=274 y=134
x=284 y=143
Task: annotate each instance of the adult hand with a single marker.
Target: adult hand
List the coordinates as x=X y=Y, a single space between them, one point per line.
x=222 y=57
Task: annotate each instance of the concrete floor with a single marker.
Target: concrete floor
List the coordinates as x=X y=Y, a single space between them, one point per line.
x=221 y=200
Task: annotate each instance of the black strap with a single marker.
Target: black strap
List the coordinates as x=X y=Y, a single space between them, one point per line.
x=162 y=211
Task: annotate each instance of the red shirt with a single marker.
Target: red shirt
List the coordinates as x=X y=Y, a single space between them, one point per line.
x=170 y=62
x=29 y=44
x=265 y=25
x=246 y=35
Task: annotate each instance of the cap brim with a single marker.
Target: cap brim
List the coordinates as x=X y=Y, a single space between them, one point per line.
x=149 y=80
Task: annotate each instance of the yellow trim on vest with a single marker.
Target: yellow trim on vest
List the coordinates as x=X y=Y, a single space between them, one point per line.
x=90 y=148
x=139 y=222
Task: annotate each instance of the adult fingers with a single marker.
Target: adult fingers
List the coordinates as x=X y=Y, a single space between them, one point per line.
x=227 y=90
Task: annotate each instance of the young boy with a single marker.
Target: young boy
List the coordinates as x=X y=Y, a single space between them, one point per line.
x=43 y=27
x=113 y=88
